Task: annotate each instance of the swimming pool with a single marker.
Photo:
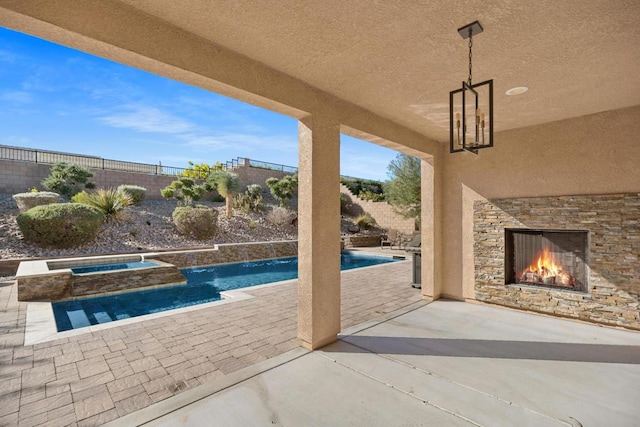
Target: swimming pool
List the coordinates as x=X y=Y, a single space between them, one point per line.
x=204 y=284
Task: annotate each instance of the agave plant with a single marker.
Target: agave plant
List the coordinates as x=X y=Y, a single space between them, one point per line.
x=110 y=202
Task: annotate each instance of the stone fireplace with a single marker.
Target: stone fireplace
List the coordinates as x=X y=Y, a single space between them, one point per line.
x=548 y=258
x=573 y=256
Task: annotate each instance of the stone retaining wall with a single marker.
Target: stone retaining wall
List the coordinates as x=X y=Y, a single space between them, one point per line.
x=613 y=222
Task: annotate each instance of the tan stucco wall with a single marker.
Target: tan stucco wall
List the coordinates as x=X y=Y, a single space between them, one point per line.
x=596 y=154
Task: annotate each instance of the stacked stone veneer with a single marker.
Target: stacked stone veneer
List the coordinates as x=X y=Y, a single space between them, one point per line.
x=382 y=212
x=124 y=280
x=362 y=241
x=229 y=253
x=613 y=222
x=57 y=282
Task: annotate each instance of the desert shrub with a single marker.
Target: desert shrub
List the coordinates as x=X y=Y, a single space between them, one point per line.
x=110 y=202
x=198 y=222
x=68 y=179
x=370 y=195
x=201 y=170
x=62 y=225
x=344 y=204
x=365 y=221
x=254 y=190
x=280 y=216
x=26 y=201
x=283 y=189
x=185 y=190
x=359 y=186
x=136 y=192
x=250 y=200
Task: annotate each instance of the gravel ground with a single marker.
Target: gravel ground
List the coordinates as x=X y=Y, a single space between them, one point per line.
x=146 y=227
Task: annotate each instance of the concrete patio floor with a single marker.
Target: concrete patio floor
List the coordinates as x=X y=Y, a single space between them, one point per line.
x=442 y=363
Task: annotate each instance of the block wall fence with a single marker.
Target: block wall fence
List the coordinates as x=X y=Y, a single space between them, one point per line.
x=19 y=176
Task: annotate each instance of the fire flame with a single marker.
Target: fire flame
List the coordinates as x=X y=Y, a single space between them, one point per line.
x=548 y=271
x=546 y=265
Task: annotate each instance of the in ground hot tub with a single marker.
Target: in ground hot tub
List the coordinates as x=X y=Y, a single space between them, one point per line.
x=112 y=267
x=68 y=278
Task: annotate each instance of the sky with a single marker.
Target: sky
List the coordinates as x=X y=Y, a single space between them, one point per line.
x=61 y=99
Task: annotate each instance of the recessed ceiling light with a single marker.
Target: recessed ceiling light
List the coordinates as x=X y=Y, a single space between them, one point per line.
x=517 y=90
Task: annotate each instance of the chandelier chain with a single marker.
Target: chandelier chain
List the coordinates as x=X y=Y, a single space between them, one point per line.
x=470 y=55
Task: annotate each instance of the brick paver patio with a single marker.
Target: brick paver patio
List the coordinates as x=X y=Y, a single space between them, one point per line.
x=99 y=376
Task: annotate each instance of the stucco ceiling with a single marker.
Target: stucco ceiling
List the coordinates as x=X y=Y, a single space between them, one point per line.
x=400 y=59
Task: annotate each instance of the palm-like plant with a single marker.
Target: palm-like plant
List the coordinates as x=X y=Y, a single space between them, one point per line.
x=227 y=184
x=109 y=201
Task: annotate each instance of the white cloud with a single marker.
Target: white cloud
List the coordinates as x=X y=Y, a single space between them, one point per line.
x=148 y=119
x=19 y=97
x=242 y=141
x=6 y=56
x=221 y=111
x=193 y=135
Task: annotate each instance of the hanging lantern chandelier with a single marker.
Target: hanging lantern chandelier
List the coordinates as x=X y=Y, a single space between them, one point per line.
x=471 y=107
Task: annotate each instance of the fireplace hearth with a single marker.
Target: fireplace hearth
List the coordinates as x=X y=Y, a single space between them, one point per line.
x=548 y=258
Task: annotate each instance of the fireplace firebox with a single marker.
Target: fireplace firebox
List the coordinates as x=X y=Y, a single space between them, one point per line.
x=549 y=258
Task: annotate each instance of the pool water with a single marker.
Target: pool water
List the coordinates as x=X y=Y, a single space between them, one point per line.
x=112 y=267
x=203 y=285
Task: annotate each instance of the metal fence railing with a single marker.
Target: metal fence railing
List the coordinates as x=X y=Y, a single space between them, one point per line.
x=272 y=166
x=51 y=157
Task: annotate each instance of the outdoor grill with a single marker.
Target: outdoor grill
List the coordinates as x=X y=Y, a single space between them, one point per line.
x=414 y=248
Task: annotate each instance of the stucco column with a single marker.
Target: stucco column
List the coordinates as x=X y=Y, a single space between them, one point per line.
x=318 y=232
x=431 y=285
